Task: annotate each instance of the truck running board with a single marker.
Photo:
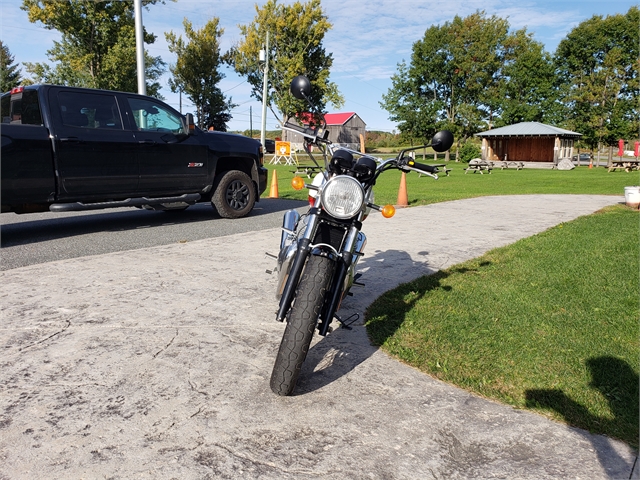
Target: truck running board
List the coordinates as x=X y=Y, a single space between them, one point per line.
x=189 y=198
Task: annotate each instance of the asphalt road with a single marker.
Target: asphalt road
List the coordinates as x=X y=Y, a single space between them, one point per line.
x=44 y=237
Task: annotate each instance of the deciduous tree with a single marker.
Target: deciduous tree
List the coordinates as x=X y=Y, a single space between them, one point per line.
x=197 y=72
x=470 y=74
x=599 y=62
x=97 y=48
x=528 y=83
x=296 y=33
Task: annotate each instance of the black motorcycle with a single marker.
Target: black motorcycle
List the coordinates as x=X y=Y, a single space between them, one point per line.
x=319 y=250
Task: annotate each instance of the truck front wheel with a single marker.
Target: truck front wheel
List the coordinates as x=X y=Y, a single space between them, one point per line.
x=233 y=194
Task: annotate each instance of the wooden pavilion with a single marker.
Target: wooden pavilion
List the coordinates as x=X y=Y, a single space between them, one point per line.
x=527 y=142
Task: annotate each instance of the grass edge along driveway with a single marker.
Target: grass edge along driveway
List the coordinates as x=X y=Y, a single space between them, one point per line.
x=549 y=323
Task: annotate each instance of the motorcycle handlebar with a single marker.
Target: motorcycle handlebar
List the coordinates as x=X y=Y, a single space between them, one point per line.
x=307 y=132
x=422 y=166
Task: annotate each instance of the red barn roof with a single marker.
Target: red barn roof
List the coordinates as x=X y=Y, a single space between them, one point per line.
x=330 y=118
x=338 y=118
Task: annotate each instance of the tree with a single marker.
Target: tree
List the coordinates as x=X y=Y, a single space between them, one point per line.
x=9 y=73
x=97 y=49
x=197 y=72
x=295 y=47
x=598 y=61
x=452 y=81
x=528 y=83
x=468 y=74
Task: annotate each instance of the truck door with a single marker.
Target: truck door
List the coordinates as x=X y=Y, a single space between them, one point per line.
x=95 y=153
x=170 y=160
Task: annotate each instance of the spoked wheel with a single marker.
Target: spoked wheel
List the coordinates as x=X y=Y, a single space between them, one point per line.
x=234 y=195
x=301 y=324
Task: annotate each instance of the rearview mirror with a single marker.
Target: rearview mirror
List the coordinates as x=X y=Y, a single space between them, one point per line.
x=301 y=87
x=442 y=141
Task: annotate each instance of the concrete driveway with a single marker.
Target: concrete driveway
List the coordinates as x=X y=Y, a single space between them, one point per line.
x=155 y=363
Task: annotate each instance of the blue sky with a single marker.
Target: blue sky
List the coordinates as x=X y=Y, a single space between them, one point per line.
x=367 y=41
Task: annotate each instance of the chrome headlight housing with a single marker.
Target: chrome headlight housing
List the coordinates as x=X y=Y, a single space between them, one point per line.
x=342 y=197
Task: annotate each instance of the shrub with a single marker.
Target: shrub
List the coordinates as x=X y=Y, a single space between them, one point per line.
x=469 y=151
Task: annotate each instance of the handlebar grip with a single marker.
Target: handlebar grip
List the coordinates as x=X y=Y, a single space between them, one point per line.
x=422 y=166
x=297 y=128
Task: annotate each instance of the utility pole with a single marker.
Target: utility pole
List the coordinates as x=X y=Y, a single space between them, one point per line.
x=250 y=122
x=264 y=92
x=142 y=84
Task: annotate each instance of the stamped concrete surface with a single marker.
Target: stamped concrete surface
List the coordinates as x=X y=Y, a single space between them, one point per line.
x=155 y=363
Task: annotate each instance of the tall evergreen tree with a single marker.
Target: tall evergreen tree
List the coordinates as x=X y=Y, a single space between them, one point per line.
x=9 y=73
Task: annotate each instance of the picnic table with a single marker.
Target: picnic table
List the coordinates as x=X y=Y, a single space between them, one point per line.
x=477 y=165
x=516 y=165
x=625 y=164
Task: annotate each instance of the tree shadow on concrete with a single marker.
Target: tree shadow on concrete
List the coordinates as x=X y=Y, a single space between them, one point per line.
x=617 y=381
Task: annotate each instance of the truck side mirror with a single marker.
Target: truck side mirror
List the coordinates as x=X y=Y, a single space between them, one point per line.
x=191 y=125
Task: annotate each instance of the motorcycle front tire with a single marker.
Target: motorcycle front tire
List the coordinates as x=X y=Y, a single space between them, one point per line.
x=303 y=318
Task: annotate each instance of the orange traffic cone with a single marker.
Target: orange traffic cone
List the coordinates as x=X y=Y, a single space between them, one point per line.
x=590 y=163
x=273 y=193
x=403 y=199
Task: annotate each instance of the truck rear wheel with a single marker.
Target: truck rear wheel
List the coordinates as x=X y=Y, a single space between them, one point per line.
x=233 y=194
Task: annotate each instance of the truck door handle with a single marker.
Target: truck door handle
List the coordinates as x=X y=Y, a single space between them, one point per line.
x=147 y=142
x=70 y=139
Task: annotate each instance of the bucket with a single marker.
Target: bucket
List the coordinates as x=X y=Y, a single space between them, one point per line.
x=632 y=196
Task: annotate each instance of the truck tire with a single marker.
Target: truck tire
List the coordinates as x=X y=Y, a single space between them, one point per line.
x=233 y=194
x=301 y=323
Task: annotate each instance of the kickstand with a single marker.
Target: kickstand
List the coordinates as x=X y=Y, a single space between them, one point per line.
x=346 y=323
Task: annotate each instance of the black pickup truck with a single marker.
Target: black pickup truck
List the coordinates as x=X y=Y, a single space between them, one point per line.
x=67 y=149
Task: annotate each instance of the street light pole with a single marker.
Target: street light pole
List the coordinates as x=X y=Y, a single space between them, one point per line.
x=264 y=94
x=142 y=84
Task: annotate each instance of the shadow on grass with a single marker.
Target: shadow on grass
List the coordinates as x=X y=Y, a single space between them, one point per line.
x=387 y=314
x=617 y=381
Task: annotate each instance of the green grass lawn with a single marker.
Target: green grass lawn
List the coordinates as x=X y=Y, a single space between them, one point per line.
x=549 y=323
x=424 y=190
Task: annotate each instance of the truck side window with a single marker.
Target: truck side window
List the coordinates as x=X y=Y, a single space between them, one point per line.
x=154 y=117
x=21 y=108
x=31 y=108
x=5 y=107
x=89 y=110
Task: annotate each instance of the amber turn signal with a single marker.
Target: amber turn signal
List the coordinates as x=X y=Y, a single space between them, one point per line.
x=388 y=211
x=297 y=183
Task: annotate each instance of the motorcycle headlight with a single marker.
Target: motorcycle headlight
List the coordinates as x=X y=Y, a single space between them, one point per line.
x=343 y=197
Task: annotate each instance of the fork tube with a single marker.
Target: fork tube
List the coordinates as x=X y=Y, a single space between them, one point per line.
x=304 y=248
x=338 y=282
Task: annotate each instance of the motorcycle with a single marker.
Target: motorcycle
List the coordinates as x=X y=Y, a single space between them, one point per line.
x=319 y=251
